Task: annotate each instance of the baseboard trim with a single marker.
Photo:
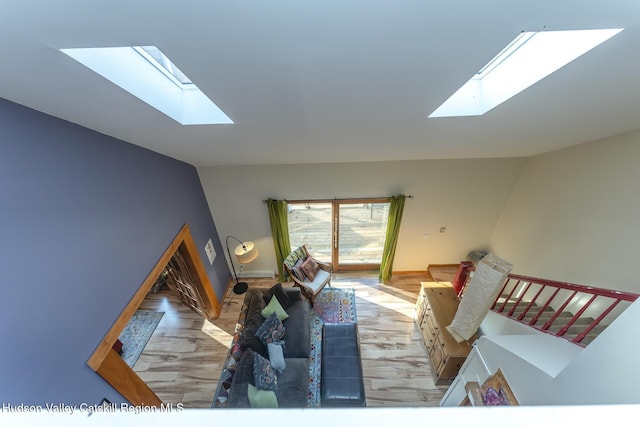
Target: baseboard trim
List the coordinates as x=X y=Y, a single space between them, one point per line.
x=409 y=272
x=442 y=265
x=256 y=274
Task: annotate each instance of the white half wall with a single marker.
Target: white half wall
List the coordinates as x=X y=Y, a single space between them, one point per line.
x=465 y=196
x=574 y=215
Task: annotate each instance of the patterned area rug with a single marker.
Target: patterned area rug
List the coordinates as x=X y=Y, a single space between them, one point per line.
x=331 y=306
x=136 y=334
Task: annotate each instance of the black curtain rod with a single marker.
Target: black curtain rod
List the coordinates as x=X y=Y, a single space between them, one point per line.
x=356 y=198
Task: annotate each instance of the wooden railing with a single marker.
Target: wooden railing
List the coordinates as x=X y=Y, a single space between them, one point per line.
x=574 y=312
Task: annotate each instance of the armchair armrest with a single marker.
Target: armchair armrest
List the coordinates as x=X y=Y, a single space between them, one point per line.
x=325 y=266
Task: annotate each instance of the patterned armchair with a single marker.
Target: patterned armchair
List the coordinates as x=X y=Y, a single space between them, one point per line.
x=308 y=274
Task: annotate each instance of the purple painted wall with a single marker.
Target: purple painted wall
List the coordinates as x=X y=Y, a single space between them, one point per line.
x=83 y=219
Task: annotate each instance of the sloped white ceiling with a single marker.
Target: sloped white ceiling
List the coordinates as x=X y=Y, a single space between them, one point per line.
x=326 y=81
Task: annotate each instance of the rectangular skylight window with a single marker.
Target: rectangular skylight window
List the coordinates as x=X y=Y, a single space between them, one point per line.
x=529 y=58
x=164 y=65
x=145 y=72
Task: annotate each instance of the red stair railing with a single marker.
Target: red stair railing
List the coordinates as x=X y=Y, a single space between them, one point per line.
x=544 y=295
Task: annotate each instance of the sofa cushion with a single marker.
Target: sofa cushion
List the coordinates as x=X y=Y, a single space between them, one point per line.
x=294 y=295
x=271 y=330
x=297 y=330
x=293 y=384
x=319 y=280
x=238 y=397
x=264 y=377
x=262 y=398
x=274 y=307
x=248 y=337
x=278 y=291
x=255 y=301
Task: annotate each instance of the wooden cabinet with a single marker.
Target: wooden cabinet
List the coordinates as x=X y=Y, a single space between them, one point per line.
x=436 y=307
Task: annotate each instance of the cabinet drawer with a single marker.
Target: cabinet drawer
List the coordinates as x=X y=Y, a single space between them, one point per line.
x=428 y=336
x=438 y=360
x=432 y=323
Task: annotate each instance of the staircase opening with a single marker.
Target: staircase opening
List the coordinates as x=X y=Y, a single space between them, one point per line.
x=106 y=361
x=574 y=312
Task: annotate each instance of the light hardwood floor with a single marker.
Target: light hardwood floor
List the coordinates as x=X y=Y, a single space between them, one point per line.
x=183 y=359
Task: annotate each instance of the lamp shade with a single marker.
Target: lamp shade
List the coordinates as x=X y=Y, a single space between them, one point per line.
x=246 y=252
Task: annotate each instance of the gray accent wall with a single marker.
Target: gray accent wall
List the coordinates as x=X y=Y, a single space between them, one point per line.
x=83 y=219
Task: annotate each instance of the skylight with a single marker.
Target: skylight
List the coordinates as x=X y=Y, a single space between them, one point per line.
x=145 y=72
x=529 y=58
x=164 y=65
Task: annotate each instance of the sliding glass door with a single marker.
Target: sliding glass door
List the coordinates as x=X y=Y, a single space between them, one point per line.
x=348 y=233
x=310 y=224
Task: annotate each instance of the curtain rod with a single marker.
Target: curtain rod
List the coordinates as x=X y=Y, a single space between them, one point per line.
x=353 y=198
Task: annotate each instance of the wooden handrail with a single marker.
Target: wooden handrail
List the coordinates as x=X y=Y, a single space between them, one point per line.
x=520 y=286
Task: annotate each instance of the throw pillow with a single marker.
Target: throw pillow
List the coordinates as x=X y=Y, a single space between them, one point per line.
x=248 y=334
x=296 y=270
x=276 y=356
x=261 y=398
x=264 y=376
x=310 y=267
x=236 y=352
x=274 y=307
x=271 y=329
x=278 y=291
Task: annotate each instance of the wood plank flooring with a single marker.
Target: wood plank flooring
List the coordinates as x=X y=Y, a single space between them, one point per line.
x=183 y=359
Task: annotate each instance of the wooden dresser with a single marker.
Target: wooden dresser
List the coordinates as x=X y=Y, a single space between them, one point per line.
x=436 y=307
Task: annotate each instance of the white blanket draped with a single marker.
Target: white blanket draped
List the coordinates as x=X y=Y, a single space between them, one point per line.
x=487 y=280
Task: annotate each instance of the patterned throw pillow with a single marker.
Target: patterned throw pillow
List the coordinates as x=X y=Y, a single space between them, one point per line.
x=296 y=270
x=310 y=267
x=271 y=329
x=264 y=376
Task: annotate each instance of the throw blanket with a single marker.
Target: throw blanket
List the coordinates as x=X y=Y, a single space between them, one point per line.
x=479 y=294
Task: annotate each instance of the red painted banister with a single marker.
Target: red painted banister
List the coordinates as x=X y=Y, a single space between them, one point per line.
x=624 y=296
x=559 y=324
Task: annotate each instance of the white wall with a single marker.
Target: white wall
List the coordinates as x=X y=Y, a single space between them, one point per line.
x=614 y=355
x=545 y=370
x=575 y=215
x=466 y=196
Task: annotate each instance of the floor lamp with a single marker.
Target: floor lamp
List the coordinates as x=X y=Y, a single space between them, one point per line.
x=245 y=252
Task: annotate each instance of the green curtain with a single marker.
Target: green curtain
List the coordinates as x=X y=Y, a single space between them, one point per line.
x=393 y=229
x=279 y=232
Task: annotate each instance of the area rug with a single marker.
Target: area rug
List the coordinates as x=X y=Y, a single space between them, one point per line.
x=137 y=333
x=331 y=306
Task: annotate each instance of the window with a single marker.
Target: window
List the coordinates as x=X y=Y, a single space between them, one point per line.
x=529 y=58
x=145 y=72
x=348 y=233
